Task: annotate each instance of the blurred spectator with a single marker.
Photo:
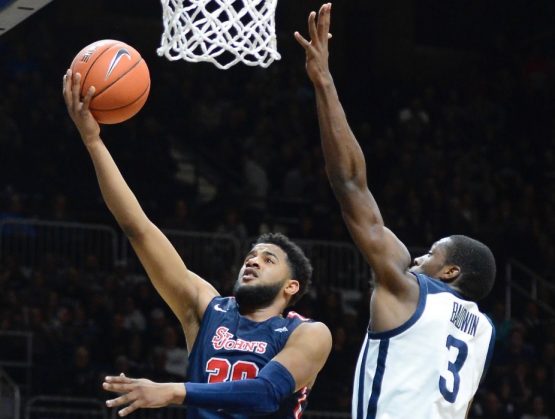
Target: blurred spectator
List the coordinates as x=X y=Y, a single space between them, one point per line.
x=491 y=408
x=233 y=225
x=176 y=356
x=59 y=210
x=133 y=319
x=181 y=217
x=80 y=378
x=501 y=323
x=537 y=410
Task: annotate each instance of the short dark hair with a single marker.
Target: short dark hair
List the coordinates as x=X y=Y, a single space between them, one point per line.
x=477 y=265
x=299 y=264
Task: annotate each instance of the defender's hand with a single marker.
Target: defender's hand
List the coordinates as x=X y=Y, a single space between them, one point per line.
x=140 y=393
x=79 y=110
x=317 y=49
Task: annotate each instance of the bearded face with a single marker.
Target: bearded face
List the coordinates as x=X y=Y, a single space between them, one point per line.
x=255 y=296
x=262 y=277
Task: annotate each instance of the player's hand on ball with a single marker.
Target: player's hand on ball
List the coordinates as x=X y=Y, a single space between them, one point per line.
x=79 y=110
x=140 y=393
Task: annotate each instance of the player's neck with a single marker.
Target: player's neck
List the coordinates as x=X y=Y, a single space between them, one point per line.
x=263 y=313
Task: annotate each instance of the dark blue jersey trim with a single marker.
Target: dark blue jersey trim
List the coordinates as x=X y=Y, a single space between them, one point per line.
x=422 y=283
x=361 y=375
x=435 y=286
x=490 y=350
x=378 y=378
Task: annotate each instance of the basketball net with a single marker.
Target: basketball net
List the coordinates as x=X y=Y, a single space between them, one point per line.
x=222 y=32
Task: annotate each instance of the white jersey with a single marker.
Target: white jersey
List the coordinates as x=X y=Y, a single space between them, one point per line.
x=430 y=366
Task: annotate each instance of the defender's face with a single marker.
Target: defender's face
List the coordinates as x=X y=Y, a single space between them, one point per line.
x=263 y=276
x=432 y=262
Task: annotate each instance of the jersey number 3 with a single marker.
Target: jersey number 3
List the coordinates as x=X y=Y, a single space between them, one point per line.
x=454 y=368
x=220 y=370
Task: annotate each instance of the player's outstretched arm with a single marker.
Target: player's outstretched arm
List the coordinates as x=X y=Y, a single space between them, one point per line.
x=185 y=293
x=294 y=368
x=346 y=167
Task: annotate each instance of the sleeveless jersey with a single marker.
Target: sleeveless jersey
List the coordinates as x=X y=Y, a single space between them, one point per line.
x=232 y=347
x=429 y=367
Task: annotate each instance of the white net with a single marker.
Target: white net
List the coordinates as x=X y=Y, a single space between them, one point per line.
x=222 y=32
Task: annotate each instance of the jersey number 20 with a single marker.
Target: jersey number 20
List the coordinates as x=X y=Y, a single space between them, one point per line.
x=220 y=369
x=454 y=368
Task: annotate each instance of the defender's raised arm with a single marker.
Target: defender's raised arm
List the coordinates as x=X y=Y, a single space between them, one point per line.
x=345 y=164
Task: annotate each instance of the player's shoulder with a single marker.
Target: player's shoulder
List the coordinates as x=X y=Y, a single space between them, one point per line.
x=223 y=304
x=307 y=325
x=315 y=327
x=314 y=332
x=300 y=325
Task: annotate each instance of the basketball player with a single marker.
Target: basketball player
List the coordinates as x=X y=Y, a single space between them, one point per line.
x=428 y=344
x=244 y=357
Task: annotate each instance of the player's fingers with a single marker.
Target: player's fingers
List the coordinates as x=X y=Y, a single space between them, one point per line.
x=327 y=19
x=117 y=387
x=312 y=31
x=64 y=78
x=118 y=401
x=131 y=408
x=86 y=102
x=301 y=40
x=114 y=378
x=75 y=90
x=323 y=22
x=66 y=90
x=64 y=87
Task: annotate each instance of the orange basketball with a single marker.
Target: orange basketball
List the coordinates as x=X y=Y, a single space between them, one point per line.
x=119 y=75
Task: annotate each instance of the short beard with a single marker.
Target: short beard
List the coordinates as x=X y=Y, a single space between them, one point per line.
x=253 y=297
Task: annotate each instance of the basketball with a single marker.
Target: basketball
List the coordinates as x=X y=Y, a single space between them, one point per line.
x=119 y=75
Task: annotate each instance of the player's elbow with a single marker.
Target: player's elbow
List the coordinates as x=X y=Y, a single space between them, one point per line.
x=274 y=384
x=128 y=229
x=268 y=400
x=347 y=176
x=344 y=188
x=369 y=226
x=134 y=229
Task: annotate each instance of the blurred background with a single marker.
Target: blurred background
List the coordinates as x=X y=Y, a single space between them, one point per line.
x=452 y=102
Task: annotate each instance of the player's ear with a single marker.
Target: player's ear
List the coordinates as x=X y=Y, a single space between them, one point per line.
x=450 y=272
x=292 y=287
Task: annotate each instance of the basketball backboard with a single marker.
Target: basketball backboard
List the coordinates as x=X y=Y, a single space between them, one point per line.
x=14 y=11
